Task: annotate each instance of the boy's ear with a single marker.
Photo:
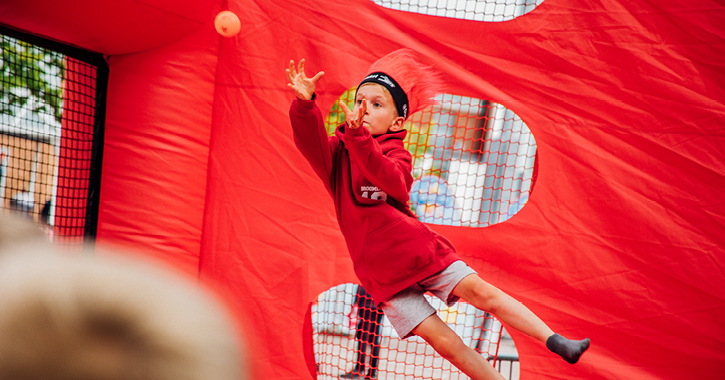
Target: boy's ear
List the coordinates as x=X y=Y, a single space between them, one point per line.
x=397 y=124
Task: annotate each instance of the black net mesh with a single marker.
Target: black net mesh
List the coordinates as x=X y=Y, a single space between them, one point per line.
x=47 y=116
x=475 y=10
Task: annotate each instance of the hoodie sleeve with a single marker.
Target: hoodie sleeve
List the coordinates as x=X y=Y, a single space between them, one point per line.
x=311 y=138
x=391 y=172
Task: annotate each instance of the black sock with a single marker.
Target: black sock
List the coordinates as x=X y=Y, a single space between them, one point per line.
x=570 y=350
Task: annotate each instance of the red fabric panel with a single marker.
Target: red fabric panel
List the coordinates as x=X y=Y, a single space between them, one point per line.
x=623 y=237
x=156 y=149
x=109 y=27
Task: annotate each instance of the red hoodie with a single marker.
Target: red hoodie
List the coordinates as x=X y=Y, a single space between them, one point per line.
x=369 y=178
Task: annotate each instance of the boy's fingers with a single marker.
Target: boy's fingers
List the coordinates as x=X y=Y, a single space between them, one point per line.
x=317 y=76
x=301 y=68
x=349 y=117
x=363 y=107
x=362 y=110
x=358 y=119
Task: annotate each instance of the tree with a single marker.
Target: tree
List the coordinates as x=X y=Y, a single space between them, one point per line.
x=30 y=77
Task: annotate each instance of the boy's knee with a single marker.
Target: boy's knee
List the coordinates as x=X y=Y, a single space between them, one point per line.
x=447 y=344
x=486 y=297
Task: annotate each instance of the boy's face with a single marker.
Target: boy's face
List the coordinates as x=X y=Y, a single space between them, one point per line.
x=381 y=116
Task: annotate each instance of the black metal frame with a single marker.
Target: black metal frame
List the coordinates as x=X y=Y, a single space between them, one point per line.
x=102 y=71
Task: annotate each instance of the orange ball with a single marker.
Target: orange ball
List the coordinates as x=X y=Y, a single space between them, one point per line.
x=227 y=24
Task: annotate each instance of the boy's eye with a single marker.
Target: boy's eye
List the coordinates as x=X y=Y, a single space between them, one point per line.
x=359 y=101
x=376 y=105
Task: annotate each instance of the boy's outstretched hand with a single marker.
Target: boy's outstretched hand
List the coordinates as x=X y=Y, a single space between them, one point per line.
x=303 y=86
x=355 y=121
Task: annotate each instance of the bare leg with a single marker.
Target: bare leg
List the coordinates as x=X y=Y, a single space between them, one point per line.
x=450 y=346
x=487 y=297
x=510 y=311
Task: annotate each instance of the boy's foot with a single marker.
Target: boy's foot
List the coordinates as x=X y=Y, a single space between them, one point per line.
x=568 y=349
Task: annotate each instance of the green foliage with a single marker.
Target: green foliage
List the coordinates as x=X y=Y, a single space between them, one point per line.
x=38 y=70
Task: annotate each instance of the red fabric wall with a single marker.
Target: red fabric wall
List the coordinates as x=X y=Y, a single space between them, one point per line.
x=622 y=238
x=108 y=27
x=158 y=122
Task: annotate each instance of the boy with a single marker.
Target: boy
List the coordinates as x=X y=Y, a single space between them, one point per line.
x=367 y=171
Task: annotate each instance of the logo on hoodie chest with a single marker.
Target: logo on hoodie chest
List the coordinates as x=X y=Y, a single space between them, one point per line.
x=373 y=192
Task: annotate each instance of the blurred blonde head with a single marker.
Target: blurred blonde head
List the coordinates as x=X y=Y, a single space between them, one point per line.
x=104 y=318
x=21 y=234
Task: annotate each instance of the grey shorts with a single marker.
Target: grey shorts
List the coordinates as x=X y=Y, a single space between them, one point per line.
x=408 y=308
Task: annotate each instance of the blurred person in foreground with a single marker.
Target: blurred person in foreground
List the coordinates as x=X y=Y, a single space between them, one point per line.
x=20 y=234
x=106 y=318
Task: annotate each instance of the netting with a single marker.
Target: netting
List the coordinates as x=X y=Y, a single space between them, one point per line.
x=476 y=10
x=473 y=160
x=47 y=120
x=352 y=337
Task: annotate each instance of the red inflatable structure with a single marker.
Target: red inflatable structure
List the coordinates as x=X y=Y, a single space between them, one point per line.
x=624 y=233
